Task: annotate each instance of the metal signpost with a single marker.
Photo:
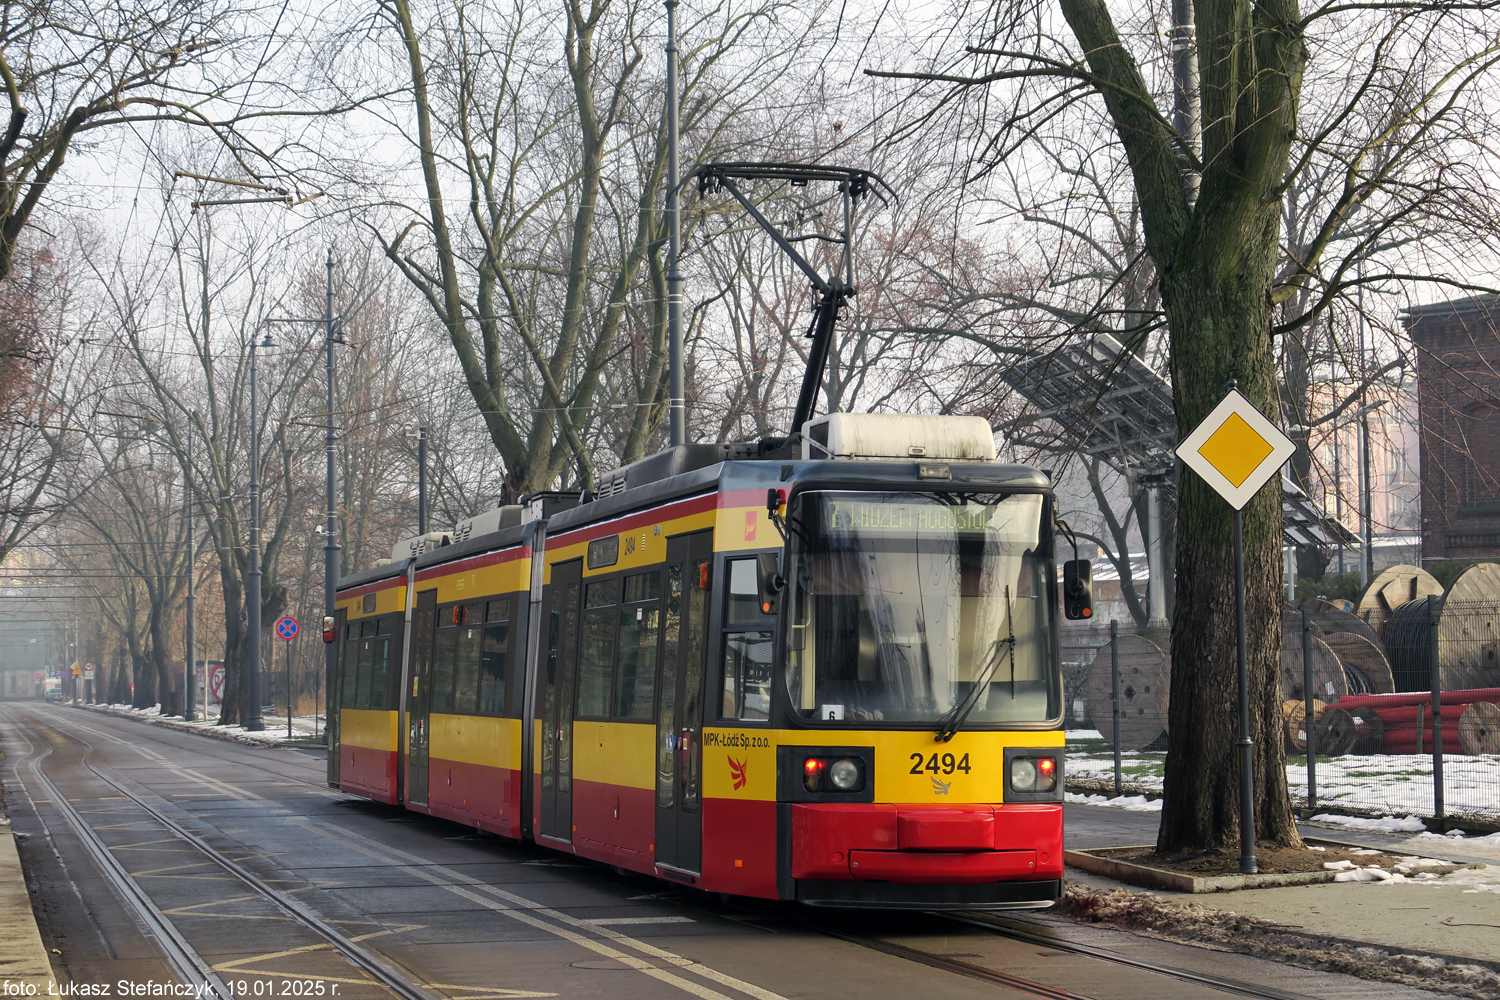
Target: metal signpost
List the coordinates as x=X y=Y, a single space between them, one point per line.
x=1236 y=450
x=286 y=628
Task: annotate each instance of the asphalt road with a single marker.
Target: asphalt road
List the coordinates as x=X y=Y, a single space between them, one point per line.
x=469 y=916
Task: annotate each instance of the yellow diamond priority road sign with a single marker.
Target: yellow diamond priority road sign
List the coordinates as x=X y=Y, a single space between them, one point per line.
x=1236 y=449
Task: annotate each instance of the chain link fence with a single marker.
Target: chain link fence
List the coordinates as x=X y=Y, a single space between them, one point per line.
x=1399 y=716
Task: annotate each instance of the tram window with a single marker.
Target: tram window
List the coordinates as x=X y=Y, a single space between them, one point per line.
x=352 y=643
x=499 y=611
x=366 y=659
x=643 y=587
x=747 y=676
x=380 y=661
x=596 y=660
x=466 y=671
x=744 y=593
x=494 y=654
x=443 y=653
x=635 y=681
x=367 y=627
x=602 y=594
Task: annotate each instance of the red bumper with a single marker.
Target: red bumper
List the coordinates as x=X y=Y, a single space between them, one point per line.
x=966 y=844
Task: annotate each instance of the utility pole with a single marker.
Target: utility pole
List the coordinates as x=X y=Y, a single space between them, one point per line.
x=677 y=403
x=419 y=437
x=252 y=720
x=333 y=335
x=1186 y=106
x=331 y=546
x=190 y=674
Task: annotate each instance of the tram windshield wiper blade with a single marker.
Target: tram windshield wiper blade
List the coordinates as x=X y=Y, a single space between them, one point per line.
x=954 y=720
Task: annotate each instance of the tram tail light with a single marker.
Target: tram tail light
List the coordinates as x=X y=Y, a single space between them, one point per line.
x=330 y=630
x=812 y=773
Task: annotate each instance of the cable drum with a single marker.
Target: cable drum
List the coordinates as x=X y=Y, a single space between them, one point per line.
x=1408 y=642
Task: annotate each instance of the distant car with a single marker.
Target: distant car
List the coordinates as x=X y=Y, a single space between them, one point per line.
x=55 y=694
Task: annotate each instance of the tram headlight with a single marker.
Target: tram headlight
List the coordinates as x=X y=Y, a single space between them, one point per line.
x=844 y=774
x=1023 y=774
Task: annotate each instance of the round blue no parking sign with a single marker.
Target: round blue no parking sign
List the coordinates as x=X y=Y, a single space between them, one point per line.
x=286 y=628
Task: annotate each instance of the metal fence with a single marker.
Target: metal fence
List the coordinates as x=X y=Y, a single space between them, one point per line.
x=1398 y=716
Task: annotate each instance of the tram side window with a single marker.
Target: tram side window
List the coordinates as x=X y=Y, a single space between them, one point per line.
x=635 y=681
x=746 y=692
x=466 y=670
x=493 y=659
x=380 y=661
x=596 y=660
x=350 y=692
x=444 y=651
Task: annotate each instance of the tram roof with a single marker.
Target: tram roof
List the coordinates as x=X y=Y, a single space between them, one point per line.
x=732 y=476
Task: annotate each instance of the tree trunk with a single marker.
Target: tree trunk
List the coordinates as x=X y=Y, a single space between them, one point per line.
x=1219 y=317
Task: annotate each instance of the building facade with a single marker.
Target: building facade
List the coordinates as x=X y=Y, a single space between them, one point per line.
x=1457 y=348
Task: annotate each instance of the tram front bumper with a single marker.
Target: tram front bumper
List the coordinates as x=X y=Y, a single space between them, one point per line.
x=900 y=844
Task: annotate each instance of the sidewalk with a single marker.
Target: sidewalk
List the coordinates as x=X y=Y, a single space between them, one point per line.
x=24 y=968
x=1436 y=930
x=274 y=735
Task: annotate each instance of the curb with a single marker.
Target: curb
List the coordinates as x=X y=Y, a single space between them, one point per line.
x=1155 y=878
x=23 y=958
x=211 y=732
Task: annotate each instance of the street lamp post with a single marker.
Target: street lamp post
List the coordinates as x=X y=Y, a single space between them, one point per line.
x=253 y=721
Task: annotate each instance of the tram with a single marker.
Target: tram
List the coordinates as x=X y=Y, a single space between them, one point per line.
x=823 y=668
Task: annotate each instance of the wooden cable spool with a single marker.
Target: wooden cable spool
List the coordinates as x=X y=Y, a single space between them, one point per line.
x=1479 y=728
x=1468 y=635
x=1145 y=680
x=1392 y=588
x=1294 y=714
x=1337 y=732
x=1369 y=731
x=1329 y=682
x=1329 y=616
x=1368 y=656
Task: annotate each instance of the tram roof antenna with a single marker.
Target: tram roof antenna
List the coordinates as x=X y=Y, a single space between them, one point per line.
x=834 y=292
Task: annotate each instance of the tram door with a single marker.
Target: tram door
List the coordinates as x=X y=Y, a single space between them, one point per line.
x=679 y=707
x=556 y=709
x=418 y=697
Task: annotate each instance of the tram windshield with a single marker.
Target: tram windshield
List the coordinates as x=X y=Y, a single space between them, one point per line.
x=921 y=608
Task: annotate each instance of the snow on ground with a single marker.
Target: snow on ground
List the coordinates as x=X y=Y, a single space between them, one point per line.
x=1382 y=824
x=1394 y=784
x=1133 y=803
x=303 y=726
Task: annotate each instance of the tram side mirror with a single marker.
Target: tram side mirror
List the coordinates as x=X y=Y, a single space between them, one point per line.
x=772 y=583
x=330 y=630
x=1078 y=589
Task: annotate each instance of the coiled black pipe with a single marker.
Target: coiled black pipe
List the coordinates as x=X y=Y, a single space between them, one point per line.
x=1408 y=641
x=1356 y=680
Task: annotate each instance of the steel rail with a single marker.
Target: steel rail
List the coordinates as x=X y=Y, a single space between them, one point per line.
x=353 y=953
x=1008 y=929
x=186 y=963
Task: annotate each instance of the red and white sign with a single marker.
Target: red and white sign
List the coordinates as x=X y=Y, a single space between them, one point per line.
x=216 y=682
x=37 y=676
x=88 y=671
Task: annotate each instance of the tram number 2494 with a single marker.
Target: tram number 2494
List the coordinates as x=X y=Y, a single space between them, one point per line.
x=946 y=764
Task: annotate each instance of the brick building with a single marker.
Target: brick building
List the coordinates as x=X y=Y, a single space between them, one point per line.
x=1457 y=344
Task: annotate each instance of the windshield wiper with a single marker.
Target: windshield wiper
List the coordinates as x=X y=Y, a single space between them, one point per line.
x=951 y=722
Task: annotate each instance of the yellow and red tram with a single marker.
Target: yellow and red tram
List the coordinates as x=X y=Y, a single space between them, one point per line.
x=833 y=679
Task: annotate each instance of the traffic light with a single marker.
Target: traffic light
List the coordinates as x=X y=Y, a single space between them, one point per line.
x=330 y=630
x=1078 y=589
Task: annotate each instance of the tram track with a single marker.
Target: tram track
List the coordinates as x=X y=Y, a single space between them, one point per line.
x=179 y=953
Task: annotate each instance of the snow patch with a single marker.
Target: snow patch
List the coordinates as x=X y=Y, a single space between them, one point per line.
x=1381 y=824
x=1132 y=803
